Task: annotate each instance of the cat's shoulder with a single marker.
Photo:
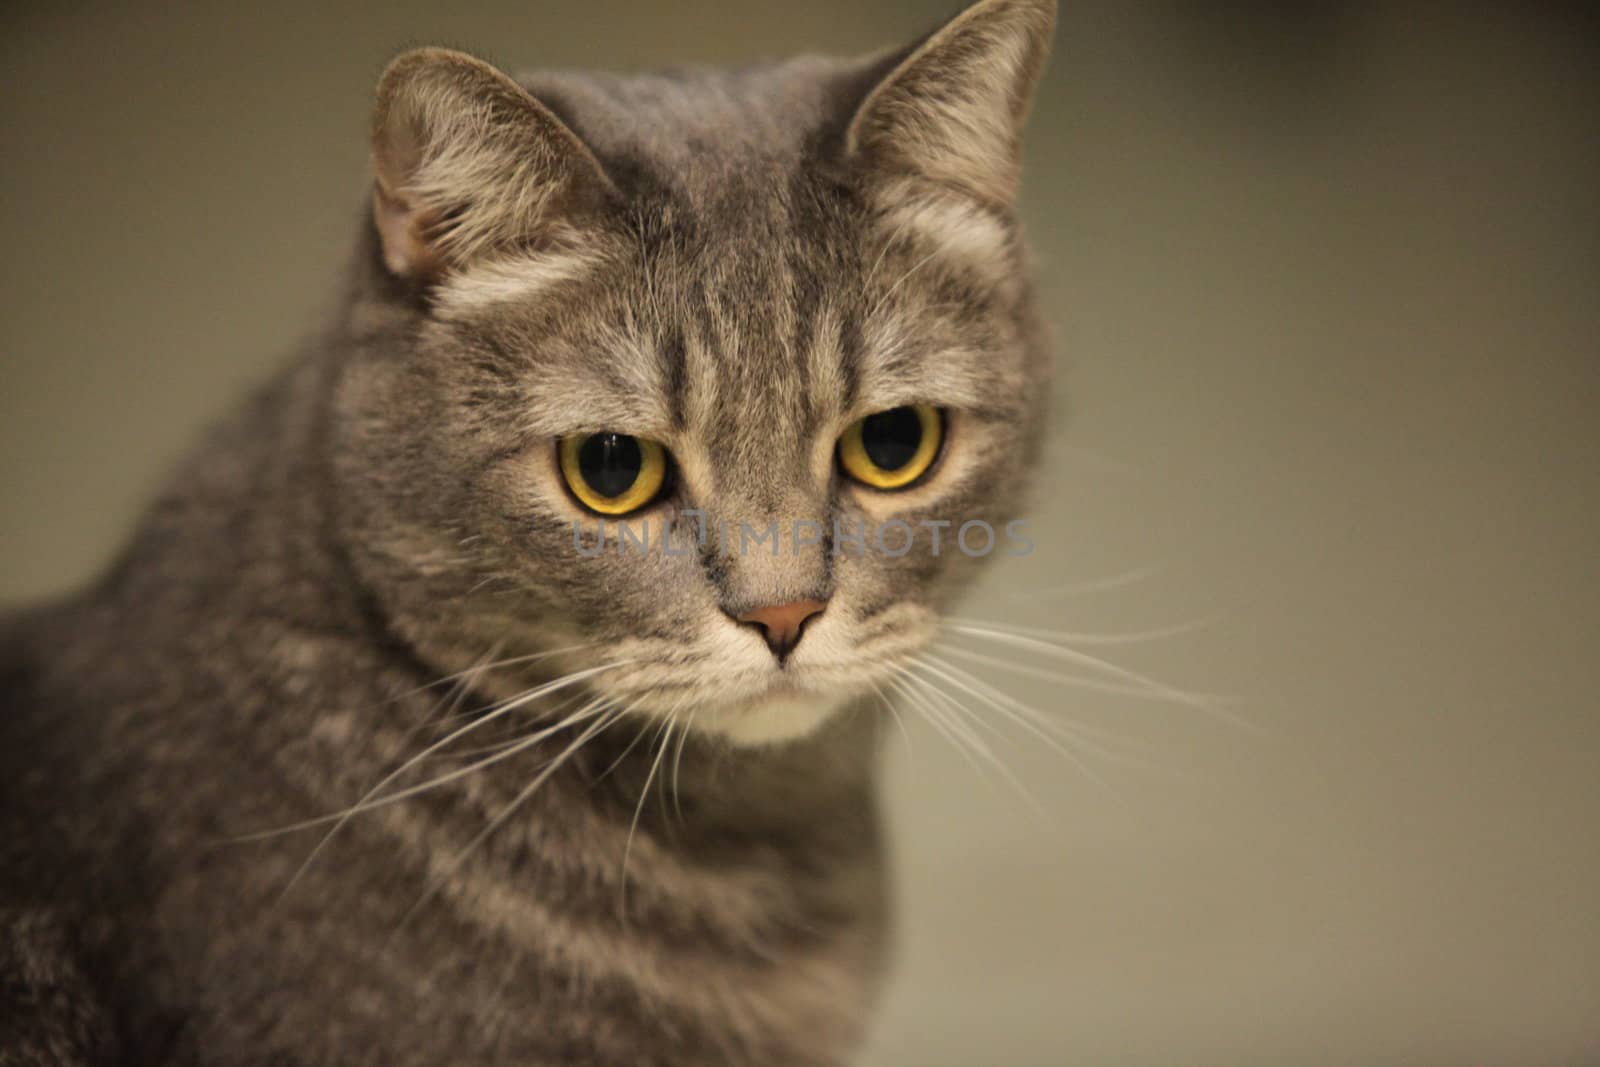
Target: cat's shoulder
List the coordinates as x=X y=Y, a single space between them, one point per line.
x=27 y=636
x=19 y=662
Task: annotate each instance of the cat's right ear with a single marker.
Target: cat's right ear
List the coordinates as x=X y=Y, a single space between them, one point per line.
x=465 y=161
x=951 y=111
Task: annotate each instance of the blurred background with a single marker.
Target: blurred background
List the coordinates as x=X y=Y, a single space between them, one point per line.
x=1326 y=283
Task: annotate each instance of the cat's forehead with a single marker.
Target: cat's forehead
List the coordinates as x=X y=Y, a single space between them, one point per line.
x=751 y=306
x=742 y=330
x=702 y=134
x=762 y=358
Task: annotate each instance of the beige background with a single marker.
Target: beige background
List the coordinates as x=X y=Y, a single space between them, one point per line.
x=1326 y=291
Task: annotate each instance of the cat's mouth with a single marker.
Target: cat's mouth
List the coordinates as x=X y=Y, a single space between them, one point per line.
x=779 y=707
x=745 y=694
x=785 y=710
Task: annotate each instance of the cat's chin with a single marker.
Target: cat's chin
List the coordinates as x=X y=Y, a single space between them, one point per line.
x=784 y=714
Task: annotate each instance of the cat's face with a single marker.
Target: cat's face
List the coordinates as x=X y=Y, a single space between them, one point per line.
x=773 y=330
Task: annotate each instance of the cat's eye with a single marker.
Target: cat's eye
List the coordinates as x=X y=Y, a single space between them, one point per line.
x=613 y=473
x=893 y=448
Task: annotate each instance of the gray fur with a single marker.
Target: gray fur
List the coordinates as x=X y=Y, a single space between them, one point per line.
x=738 y=264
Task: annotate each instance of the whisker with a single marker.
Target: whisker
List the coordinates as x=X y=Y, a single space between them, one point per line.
x=882 y=301
x=959 y=710
x=899 y=722
x=1176 y=696
x=1029 y=718
x=492 y=666
x=1093 y=685
x=935 y=718
x=559 y=709
x=1092 y=738
x=589 y=711
x=663 y=736
x=892 y=240
x=1133 y=637
x=370 y=801
x=601 y=722
x=459 y=688
x=954 y=717
x=638 y=736
x=1035 y=723
x=677 y=764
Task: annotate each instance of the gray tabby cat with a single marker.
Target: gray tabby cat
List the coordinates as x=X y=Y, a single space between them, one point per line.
x=635 y=823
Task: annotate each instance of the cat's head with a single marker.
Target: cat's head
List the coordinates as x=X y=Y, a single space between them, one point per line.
x=775 y=324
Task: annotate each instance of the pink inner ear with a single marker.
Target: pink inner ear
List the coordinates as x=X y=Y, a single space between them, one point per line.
x=467 y=162
x=400 y=228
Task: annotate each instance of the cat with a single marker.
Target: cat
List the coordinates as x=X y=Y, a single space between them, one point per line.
x=456 y=594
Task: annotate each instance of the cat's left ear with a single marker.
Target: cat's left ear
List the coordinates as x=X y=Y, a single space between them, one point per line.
x=952 y=110
x=465 y=161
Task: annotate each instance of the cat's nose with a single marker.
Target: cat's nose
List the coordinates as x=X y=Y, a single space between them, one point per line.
x=782 y=624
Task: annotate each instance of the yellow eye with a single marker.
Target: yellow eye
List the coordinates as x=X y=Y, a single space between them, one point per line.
x=893 y=448
x=613 y=473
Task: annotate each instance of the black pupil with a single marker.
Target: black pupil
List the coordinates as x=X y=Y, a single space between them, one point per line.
x=891 y=438
x=610 y=463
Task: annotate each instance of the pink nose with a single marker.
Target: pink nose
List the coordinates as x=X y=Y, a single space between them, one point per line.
x=782 y=624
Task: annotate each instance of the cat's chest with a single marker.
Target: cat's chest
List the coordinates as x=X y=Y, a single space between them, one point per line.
x=536 y=962
x=570 y=933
